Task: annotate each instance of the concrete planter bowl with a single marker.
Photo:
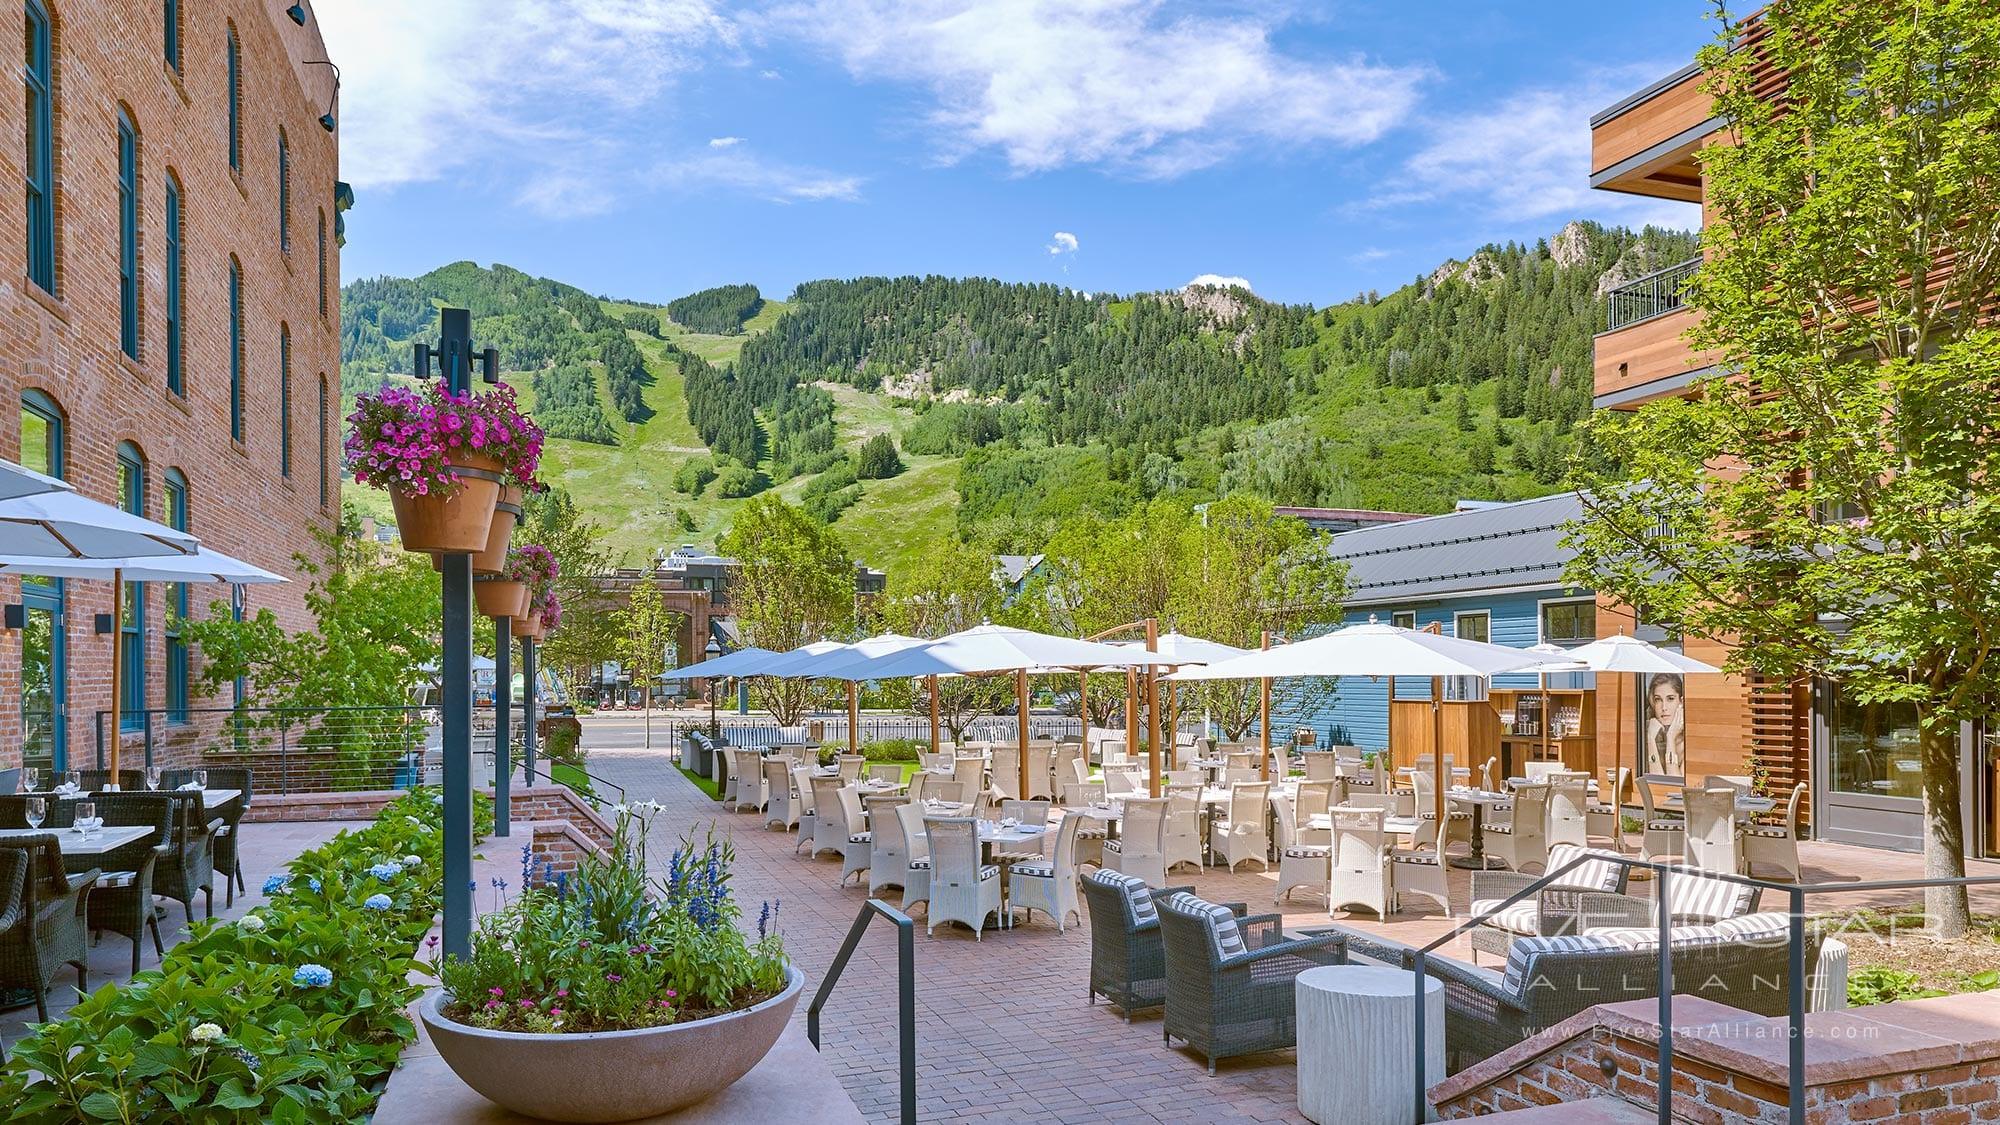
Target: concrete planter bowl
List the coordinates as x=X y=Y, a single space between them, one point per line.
x=611 y=1075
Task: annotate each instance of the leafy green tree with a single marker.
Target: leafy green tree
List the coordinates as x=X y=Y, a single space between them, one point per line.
x=877 y=459
x=943 y=592
x=375 y=623
x=694 y=475
x=1855 y=532
x=590 y=627
x=646 y=628
x=794 y=585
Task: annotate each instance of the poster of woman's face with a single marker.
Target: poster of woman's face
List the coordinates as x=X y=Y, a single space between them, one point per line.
x=1663 y=721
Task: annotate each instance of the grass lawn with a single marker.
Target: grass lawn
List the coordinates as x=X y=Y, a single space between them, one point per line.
x=705 y=784
x=565 y=774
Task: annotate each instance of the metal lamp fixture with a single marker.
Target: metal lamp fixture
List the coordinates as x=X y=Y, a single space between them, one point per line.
x=712 y=650
x=298 y=14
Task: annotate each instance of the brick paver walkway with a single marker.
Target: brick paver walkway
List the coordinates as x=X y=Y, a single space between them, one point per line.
x=1004 y=1028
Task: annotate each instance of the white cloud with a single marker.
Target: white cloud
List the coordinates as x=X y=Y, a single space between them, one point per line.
x=1527 y=157
x=736 y=169
x=1218 y=281
x=1126 y=84
x=1062 y=242
x=724 y=142
x=433 y=89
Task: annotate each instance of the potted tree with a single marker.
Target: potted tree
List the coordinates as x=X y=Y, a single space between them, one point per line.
x=444 y=459
x=583 y=983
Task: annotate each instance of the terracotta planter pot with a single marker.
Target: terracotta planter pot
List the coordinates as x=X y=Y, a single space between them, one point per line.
x=506 y=516
x=529 y=627
x=611 y=1075
x=454 y=524
x=500 y=598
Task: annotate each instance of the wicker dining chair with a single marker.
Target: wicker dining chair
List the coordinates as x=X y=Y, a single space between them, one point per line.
x=963 y=889
x=50 y=930
x=56 y=813
x=888 y=771
x=95 y=781
x=888 y=847
x=1139 y=849
x=1663 y=836
x=190 y=867
x=1041 y=764
x=1303 y=855
x=122 y=900
x=917 y=864
x=1231 y=981
x=780 y=807
x=1776 y=845
x=919 y=781
x=228 y=856
x=1244 y=836
x=1714 y=840
x=856 y=850
x=1605 y=817
x=1523 y=842
x=830 y=829
x=1049 y=885
x=1180 y=841
x=1006 y=772
x=808 y=816
x=1359 y=871
x=1569 y=802
x=946 y=792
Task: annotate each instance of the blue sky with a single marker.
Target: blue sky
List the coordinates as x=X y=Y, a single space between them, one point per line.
x=649 y=148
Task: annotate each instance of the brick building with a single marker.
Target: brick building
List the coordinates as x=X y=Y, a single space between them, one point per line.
x=171 y=326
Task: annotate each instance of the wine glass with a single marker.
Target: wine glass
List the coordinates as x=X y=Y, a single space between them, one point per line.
x=201 y=779
x=38 y=811
x=74 y=778
x=31 y=778
x=152 y=777
x=86 y=812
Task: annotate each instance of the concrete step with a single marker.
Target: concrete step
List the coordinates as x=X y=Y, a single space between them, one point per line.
x=1590 y=1111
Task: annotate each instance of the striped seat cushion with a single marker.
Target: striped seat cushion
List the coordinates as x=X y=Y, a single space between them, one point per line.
x=1225 y=938
x=1599 y=872
x=1748 y=929
x=988 y=872
x=1525 y=951
x=923 y=864
x=1666 y=826
x=1307 y=851
x=1500 y=829
x=1600 y=809
x=1768 y=831
x=1689 y=893
x=861 y=837
x=111 y=880
x=1114 y=846
x=1520 y=918
x=1042 y=870
x=1424 y=859
x=1140 y=909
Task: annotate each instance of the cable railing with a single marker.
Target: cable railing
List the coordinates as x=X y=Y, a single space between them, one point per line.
x=906 y=992
x=759 y=732
x=1643 y=298
x=1797 y=981
x=291 y=749
x=545 y=773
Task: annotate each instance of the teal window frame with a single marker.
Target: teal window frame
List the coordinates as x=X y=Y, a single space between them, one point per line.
x=176 y=377
x=40 y=169
x=171 y=41
x=324 y=483
x=285 y=401
x=235 y=350
x=132 y=623
x=128 y=236
x=47 y=594
x=235 y=77
x=177 y=606
x=322 y=264
x=284 y=193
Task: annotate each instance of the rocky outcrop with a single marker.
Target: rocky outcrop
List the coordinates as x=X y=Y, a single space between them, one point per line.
x=1570 y=247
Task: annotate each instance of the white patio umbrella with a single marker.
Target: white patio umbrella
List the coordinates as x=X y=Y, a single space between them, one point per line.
x=70 y=525
x=799 y=664
x=855 y=663
x=743 y=662
x=1621 y=653
x=1374 y=649
x=1181 y=650
x=201 y=565
x=993 y=649
x=19 y=480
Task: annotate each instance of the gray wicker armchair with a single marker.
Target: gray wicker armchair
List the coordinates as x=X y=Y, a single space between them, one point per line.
x=1743 y=963
x=100 y=780
x=190 y=867
x=56 y=813
x=228 y=857
x=49 y=931
x=122 y=900
x=1230 y=987
x=1128 y=965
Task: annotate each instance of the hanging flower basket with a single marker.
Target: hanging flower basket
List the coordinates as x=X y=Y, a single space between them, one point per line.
x=532 y=565
x=499 y=596
x=444 y=459
x=506 y=515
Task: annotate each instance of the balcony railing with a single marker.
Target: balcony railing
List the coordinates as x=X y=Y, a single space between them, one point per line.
x=1649 y=296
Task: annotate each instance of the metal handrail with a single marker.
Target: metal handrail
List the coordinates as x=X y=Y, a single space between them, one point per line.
x=549 y=765
x=1649 y=296
x=1796 y=970
x=906 y=991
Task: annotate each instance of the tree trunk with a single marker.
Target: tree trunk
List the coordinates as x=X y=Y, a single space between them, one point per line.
x=1945 y=908
x=646 y=696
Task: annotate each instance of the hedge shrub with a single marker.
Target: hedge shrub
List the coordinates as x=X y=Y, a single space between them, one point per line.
x=295 y=1012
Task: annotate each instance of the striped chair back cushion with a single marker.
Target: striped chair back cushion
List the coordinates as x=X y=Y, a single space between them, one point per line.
x=1140 y=910
x=1592 y=874
x=1689 y=893
x=1225 y=938
x=1745 y=930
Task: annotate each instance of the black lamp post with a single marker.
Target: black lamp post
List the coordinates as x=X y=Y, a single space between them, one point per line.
x=713 y=650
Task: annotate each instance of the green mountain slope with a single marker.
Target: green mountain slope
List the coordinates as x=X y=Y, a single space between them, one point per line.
x=1015 y=406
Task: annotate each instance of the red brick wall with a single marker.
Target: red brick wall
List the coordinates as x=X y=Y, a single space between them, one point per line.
x=108 y=55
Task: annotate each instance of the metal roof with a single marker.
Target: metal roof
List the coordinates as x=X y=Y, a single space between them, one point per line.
x=1508 y=546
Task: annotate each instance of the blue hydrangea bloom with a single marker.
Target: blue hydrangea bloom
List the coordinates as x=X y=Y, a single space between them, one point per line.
x=312 y=976
x=313 y=882
x=386 y=871
x=377 y=902
x=277 y=884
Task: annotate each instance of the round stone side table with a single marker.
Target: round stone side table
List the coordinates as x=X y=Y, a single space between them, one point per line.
x=1356 y=1028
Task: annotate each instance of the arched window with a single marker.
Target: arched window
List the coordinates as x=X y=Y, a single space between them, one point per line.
x=322 y=263
x=285 y=400
x=284 y=193
x=175 y=276
x=41 y=156
x=177 y=606
x=171 y=9
x=44 y=678
x=235 y=79
x=132 y=625
x=323 y=466
x=128 y=235
x=235 y=349
x=41 y=433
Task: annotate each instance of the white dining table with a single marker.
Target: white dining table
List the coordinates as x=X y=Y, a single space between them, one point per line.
x=72 y=842
x=1745 y=806
x=1393 y=825
x=211 y=799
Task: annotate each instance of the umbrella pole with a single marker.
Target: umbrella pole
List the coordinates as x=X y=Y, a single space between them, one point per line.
x=1083 y=713
x=1264 y=714
x=1437 y=758
x=1021 y=725
x=934 y=715
x=1131 y=710
x=117 y=669
x=853 y=717
x=1174 y=722
x=1153 y=708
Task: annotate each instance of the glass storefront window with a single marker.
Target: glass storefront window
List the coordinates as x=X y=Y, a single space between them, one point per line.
x=1874 y=747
